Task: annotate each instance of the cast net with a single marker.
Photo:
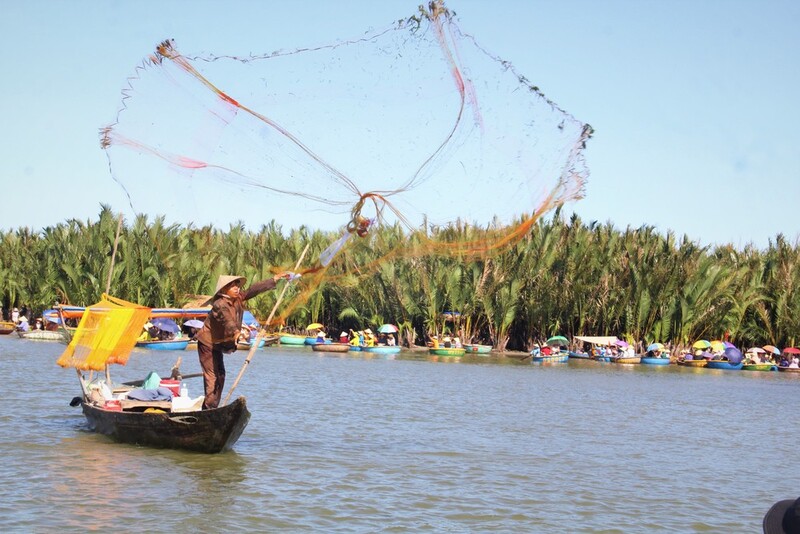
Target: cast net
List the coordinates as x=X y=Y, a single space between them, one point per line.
x=413 y=126
x=106 y=334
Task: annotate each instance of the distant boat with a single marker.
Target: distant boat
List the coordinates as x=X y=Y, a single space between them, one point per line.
x=693 y=363
x=579 y=355
x=6 y=327
x=789 y=369
x=266 y=341
x=381 y=349
x=474 y=348
x=166 y=344
x=722 y=364
x=292 y=339
x=43 y=335
x=330 y=347
x=759 y=367
x=647 y=360
x=559 y=357
x=627 y=360
x=447 y=351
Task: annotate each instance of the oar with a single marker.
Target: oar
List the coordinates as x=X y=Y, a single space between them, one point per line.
x=262 y=332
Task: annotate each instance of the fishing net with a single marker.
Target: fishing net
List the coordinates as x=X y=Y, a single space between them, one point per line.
x=106 y=334
x=413 y=126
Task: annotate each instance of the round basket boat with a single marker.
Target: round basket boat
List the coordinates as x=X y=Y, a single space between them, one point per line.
x=693 y=363
x=382 y=349
x=477 y=349
x=330 y=347
x=447 y=352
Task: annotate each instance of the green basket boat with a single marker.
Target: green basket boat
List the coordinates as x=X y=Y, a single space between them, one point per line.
x=477 y=349
x=447 y=352
x=759 y=367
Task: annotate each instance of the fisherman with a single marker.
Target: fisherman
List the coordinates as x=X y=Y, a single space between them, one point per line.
x=221 y=328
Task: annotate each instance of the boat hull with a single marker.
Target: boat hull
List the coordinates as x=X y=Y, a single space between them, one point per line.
x=43 y=335
x=6 y=327
x=759 y=367
x=330 y=347
x=163 y=345
x=693 y=363
x=207 y=431
x=655 y=361
x=381 y=350
x=728 y=366
x=447 y=352
x=632 y=360
x=292 y=340
x=580 y=355
x=789 y=369
x=551 y=358
x=477 y=349
x=264 y=341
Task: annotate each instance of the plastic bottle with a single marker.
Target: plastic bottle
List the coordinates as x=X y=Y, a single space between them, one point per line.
x=184 y=390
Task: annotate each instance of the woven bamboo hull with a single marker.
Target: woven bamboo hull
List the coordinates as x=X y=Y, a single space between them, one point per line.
x=447 y=352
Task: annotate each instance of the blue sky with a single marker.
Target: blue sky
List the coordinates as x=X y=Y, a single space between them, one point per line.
x=693 y=102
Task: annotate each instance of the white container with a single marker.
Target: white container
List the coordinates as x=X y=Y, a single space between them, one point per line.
x=184 y=390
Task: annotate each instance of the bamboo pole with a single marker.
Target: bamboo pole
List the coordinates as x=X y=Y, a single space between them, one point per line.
x=262 y=332
x=108 y=281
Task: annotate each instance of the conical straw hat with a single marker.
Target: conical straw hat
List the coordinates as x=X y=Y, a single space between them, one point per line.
x=222 y=281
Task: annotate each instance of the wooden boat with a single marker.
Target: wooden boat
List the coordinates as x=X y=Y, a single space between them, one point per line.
x=381 y=349
x=723 y=364
x=208 y=431
x=166 y=344
x=789 y=369
x=292 y=339
x=330 y=347
x=759 y=367
x=561 y=357
x=693 y=363
x=473 y=348
x=43 y=335
x=163 y=424
x=6 y=327
x=647 y=360
x=627 y=360
x=447 y=352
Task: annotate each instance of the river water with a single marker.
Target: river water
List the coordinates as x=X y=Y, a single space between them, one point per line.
x=356 y=444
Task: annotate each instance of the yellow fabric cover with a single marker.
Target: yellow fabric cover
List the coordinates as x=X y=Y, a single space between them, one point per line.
x=106 y=334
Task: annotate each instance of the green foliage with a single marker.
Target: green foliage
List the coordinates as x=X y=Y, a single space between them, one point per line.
x=565 y=277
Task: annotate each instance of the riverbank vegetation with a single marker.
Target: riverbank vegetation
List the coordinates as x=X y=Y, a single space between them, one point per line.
x=565 y=277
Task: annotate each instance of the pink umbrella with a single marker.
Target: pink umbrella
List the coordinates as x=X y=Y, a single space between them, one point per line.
x=757 y=350
x=791 y=350
x=621 y=343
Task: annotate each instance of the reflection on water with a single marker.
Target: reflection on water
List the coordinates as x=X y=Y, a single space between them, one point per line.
x=369 y=443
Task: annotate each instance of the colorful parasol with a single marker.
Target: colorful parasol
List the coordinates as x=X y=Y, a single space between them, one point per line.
x=557 y=340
